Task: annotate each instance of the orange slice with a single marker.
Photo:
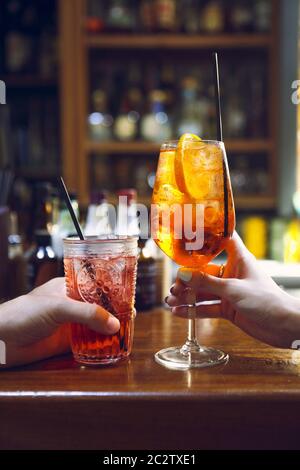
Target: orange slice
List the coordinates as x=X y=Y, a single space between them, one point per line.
x=198 y=168
x=179 y=157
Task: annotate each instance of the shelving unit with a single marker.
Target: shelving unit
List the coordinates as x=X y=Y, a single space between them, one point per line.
x=76 y=45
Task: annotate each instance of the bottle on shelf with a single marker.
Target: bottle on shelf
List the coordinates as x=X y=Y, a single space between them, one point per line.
x=165 y=15
x=100 y=121
x=18 y=43
x=95 y=21
x=97 y=221
x=121 y=16
x=190 y=119
x=146 y=16
x=126 y=122
x=190 y=14
x=213 y=17
x=262 y=15
x=155 y=125
x=42 y=263
x=64 y=226
x=241 y=16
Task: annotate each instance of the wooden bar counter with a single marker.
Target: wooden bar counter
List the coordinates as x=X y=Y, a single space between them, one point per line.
x=251 y=402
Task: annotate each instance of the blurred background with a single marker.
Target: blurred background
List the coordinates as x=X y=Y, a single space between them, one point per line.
x=93 y=87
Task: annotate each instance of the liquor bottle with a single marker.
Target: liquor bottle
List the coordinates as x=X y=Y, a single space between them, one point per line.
x=95 y=21
x=121 y=16
x=262 y=15
x=165 y=15
x=190 y=119
x=127 y=223
x=41 y=260
x=292 y=242
x=256 y=113
x=97 y=221
x=255 y=236
x=100 y=120
x=126 y=123
x=190 y=14
x=155 y=125
x=168 y=86
x=241 y=16
x=18 y=44
x=147 y=15
x=240 y=175
x=64 y=226
x=213 y=17
x=235 y=121
x=146 y=295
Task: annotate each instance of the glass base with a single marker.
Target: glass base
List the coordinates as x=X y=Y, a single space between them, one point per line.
x=181 y=358
x=94 y=361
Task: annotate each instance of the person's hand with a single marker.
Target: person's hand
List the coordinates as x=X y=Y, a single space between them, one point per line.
x=249 y=297
x=33 y=326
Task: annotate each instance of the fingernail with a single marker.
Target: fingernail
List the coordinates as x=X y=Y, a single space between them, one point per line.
x=112 y=324
x=166 y=299
x=185 y=276
x=172 y=290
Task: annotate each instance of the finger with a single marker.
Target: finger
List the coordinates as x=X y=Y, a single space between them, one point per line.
x=203 y=282
x=178 y=287
x=92 y=315
x=202 y=311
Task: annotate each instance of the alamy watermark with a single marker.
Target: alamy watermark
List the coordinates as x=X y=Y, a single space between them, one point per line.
x=295 y=359
x=2 y=92
x=2 y=352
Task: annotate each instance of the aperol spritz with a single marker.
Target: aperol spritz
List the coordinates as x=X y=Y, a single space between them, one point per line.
x=192 y=189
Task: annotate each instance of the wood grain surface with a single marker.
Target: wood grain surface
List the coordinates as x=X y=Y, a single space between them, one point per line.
x=251 y=402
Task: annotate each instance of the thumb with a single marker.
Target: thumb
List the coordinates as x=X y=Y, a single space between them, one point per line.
x=201 y=281
x=92 y=315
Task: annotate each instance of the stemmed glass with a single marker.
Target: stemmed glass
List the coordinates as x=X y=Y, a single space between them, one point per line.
x=192 y=217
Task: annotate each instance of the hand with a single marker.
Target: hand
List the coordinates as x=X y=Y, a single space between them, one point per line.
x=249 y=297
x=33 y=325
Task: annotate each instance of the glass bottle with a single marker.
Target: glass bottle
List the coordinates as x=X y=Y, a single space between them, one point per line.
x=100 y=120
x=155 y=125
x=95 y=21
x=262 y=15
x=241 y=16
x=213 y=17
x=41 y=260
x=165 y=15
x=121 y=15
x=190 y=119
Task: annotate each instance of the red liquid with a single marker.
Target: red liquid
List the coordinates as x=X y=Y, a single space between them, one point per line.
x=111 y=284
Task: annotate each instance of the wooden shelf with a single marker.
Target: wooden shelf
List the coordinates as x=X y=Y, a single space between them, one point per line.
x=255 y=202
x=177 y=41
x=251 y=202
x=140 y=147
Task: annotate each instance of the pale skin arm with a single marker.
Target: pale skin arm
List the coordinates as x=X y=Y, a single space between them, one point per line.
x=250 y=299
x=33 y=326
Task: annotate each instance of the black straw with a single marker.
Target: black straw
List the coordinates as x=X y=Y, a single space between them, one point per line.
x=70 y=208
x=218 y=98
x=220 y=138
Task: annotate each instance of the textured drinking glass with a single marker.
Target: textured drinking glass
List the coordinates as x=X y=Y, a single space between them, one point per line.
x=190 y=174
x=102 y=271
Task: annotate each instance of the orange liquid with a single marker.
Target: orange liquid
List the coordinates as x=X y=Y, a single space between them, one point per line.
x=111 y=284
x=208 y=185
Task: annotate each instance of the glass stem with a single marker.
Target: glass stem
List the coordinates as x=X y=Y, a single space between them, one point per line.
x=191 y=345
x=192 y=330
